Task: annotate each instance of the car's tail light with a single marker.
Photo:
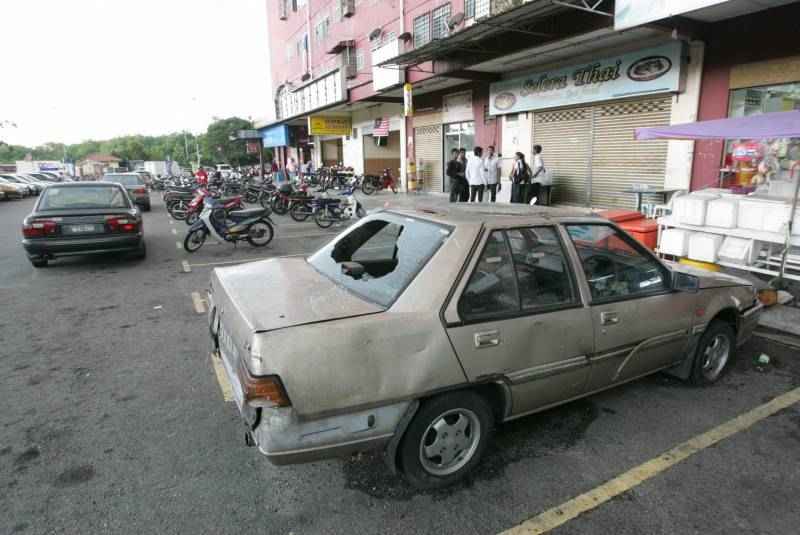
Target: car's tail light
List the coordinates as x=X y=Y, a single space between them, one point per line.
x=39 y=228
x=140 y=191
x=265 y=391
x=122 y=224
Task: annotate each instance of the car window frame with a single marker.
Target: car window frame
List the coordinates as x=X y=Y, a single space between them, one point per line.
x=638 y=247
x=131 y=204
x=475 y=258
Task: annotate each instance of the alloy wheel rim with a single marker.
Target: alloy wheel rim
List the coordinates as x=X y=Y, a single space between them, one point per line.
x=716 y=356
x=450 y=442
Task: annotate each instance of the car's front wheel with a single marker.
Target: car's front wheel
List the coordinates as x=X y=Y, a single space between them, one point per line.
x=714 y=352
x=446 y=439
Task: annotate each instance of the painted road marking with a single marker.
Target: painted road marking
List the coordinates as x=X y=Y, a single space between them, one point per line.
x=178 y=245
x=171 y=222
x=186 y=267
x=174 y=231
x=199 y=303
x=222 y=378
x=552 y=518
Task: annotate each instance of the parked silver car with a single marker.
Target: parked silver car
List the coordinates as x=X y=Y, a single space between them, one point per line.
x=417 y=331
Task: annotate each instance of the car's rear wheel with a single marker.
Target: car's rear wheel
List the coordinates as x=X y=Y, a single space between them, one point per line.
x=714 y=352
x=141 y=252
x=39 y=262
x=446 y=439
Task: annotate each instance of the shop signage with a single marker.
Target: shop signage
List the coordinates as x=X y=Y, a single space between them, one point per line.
x=457 y=107
x=385 y=77
x=408 y=104
x=650 y=71
x=325 y=91
x=276 y=136
x=328 y=125
x=630 y=13
x=248 y=134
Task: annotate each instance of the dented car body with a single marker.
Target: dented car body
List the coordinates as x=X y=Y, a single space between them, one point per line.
x=416 y=331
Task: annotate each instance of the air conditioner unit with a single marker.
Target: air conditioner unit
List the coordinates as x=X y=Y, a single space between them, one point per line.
x=348 y=8
x=347 y=62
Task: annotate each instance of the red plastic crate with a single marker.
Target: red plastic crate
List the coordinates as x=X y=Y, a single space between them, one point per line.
x=645 y=231
x=619 y=216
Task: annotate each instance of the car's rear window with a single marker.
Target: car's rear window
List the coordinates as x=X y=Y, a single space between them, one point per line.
x=88 y=196
x=390 y=249
x=125 y=180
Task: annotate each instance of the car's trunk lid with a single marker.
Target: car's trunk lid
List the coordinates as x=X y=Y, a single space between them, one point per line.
x=84 y=222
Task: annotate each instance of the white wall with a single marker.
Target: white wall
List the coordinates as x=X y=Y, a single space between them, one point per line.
x=364 y=121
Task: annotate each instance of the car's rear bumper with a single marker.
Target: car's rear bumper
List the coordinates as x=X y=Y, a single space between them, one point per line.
x=81 y=246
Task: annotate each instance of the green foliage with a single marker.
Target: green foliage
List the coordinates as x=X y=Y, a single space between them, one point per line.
x=219 y=146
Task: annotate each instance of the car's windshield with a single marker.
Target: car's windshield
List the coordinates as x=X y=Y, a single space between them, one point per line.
x=379 y=258
x=125 y=180
x=89 y=196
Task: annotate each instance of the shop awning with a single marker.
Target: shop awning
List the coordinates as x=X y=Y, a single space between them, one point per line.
x=766 y=126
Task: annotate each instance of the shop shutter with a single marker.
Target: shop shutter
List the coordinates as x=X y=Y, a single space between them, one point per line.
x=566 y=137
x=428 y=154
x=618 y=161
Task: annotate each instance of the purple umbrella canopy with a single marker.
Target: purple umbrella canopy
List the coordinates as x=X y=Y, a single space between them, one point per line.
x=765 y=126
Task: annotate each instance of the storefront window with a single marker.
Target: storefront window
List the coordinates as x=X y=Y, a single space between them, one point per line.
x=754 y=162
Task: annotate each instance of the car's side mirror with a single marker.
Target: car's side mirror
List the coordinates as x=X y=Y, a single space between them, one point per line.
x=683 y=282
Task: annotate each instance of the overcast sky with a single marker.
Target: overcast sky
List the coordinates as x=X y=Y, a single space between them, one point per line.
x=94 y=69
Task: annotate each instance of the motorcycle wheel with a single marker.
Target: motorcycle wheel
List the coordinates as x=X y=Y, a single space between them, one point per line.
x=178 y=210
x=322 y=218
x=194 y=240
x=260 y=233
x=192 y=218
x=280 y=206
x=368 y=186
x=264 y=200
x=299 y=212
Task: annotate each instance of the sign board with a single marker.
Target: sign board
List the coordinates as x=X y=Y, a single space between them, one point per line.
x=252 y=147
x=457 y=107
x=385 y=77
x=329 y=125
x=408 y=103
x=275 y=136
x=324 y=91
x=630 y=13
x=248 y=134
x=646 y=72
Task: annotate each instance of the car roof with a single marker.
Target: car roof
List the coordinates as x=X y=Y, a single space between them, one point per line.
x=85 y=184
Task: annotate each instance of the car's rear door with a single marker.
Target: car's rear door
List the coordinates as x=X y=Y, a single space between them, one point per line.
x=517 y=317
x=640 y=324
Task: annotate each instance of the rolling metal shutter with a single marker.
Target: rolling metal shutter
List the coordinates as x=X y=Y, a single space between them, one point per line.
x=428 y=154
x=618 y=160
x=566 y=139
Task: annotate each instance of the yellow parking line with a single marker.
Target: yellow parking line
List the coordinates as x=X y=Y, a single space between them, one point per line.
x=552 y=518
x=222 y=378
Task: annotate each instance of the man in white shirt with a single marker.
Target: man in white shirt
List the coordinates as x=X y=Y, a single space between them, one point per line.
x=475 y=175
x=539 y=173
x=491 y=170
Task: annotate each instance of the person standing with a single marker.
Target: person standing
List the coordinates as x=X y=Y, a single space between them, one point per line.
x=491 y=171
x=202 y=177
x=454 y=172
x=538 y=173
x=462 y=175
x=475 y=176
x=520 y=178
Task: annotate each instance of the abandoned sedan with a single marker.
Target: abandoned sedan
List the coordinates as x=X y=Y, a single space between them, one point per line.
x=417 y=331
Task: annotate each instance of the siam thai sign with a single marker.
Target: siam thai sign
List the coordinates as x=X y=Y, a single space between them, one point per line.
x=630 y=13
x=650 y=71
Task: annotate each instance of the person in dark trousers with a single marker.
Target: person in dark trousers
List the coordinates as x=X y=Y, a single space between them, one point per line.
x=491 y=173
x=462 y=177
x=520 y=178
x=453 y=172
x=476 y=176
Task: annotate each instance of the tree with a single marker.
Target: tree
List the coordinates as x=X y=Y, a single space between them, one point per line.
x=219 y=146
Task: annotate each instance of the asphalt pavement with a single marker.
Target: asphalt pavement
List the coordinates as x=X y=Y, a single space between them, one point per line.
x=113 y=421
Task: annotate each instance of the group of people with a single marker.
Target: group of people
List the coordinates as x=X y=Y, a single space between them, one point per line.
x=471 y=177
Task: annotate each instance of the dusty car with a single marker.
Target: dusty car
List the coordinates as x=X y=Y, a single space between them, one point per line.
x=417 y=331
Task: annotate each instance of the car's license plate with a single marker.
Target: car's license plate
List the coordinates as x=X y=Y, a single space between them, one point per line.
x=82 y=229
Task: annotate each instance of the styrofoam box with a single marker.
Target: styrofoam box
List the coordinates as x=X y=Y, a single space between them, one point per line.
x=722 y=212
x=777 y=217
x=704 y=247
x=691 y=209
x=753 y=212
x=738 y=251
x=674 y=241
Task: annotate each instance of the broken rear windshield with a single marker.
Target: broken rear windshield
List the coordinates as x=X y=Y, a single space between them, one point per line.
x=380 y=257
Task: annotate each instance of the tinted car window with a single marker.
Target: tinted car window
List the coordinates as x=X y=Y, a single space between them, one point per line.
x=391 y=250
x=492 y=288
x=542 y=271
x=73 y=198
x=125 y=180
x=615 y=266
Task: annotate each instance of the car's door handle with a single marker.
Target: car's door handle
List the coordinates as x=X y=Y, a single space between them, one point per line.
x=609 y=318
x=487 y=339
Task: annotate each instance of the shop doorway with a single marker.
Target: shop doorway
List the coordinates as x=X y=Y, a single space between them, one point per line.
x=457 y=136
x=332 y=152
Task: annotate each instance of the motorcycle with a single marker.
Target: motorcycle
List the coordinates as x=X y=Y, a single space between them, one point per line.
x=253 y=225
x=328 y=211
x=285 y=196
x=371 y=183
x=196 y=206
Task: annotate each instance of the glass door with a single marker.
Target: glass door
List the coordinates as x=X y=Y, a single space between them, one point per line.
x=457 y=136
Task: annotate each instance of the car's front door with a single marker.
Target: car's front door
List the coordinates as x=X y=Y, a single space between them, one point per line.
x=640 y=324
x=521 y=319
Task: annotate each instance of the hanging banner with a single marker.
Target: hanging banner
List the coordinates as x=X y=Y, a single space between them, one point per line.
x=275 y=136
x=408 y=106
x=630 y=13
x=650 y=71
x=329 y=125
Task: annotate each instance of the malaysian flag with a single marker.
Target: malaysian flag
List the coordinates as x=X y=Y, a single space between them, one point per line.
x=381 y=128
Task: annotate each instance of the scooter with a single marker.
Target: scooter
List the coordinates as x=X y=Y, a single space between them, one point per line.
x=253 y=225
x=370 y=183
x=328 y=211
x=196 y=206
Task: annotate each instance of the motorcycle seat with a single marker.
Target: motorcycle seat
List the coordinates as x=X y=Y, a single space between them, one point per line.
x=241 y=215
x=226 y=200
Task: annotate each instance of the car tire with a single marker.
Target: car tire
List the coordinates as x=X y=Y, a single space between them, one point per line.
x=39 y=262
x=715 y=351
x=458 y=424
x=141 y=253
x=147 y=207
